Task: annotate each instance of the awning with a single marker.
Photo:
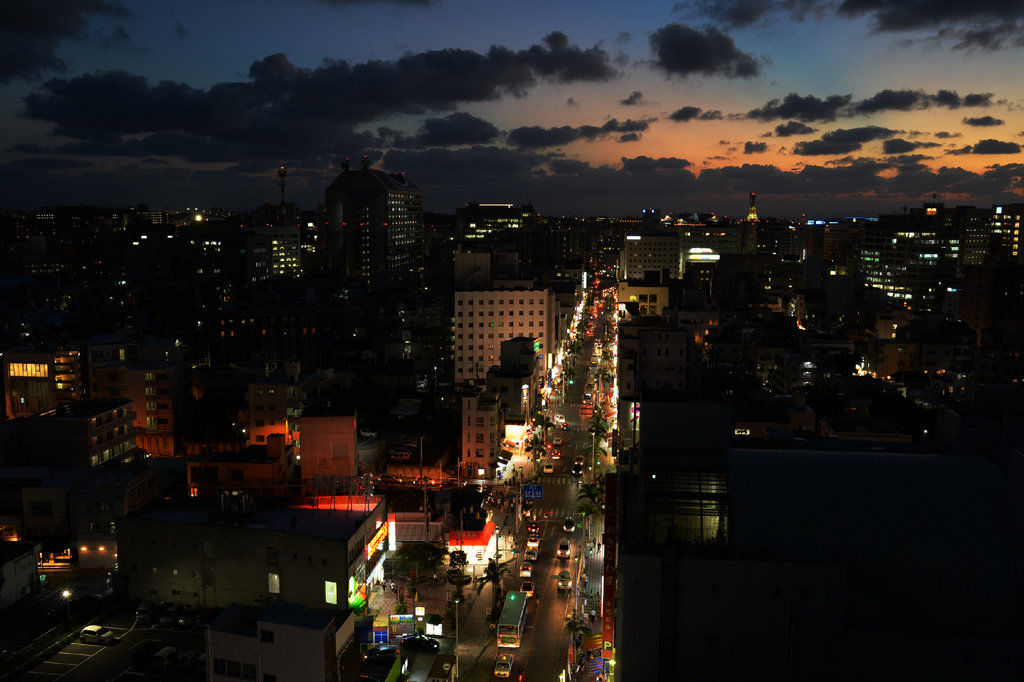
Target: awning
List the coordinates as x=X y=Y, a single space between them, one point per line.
x=472 y=538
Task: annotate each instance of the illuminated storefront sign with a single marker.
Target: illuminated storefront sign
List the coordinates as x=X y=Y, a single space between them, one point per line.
x=377 y=543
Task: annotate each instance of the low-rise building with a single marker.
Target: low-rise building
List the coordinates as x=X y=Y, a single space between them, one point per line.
x=286 y=642
x=86 y=433
x=322 y=551
x=18 y=575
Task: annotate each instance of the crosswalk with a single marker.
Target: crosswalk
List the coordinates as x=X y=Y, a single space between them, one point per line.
x=557 y=479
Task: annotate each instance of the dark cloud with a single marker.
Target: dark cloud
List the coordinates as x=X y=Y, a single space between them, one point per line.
x=453 y=130
x=684 y=51
x=901 y=146
x=755 y=147
x=31 y=32
x=685 y=113
x=571 y=102
x=983 y=121
x=568 y=166
x=629 y=137
x=791 y=128
x=623 y=37
x=561 y=62
x=633 y=99
x=345 y=3
x=842 y=141
x=117 y=39
x=991 y=146
x=944 y=135
x=734 y=13
x=804 y=108
x=645 y=164
x=986 y=24
x=689 y=113
x=811 y=108
x=538 y=137
x=311 y=109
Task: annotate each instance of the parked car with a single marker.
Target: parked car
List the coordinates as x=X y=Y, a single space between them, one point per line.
x=170 y=615
x=97 y=634
x=366 y=433
x=187 y=618
x=144 y=612
x=380 y=651
x=420 y=643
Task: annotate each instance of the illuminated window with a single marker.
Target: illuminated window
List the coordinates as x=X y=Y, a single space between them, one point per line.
x=28 y=369
x=274 y=583
x=331 y=592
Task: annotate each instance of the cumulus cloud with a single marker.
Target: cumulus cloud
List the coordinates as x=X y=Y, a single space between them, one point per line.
x=982 y=121
x=690 y=113
x=646 y=164
x=680 y=50
x=790 y=128
x=991 y=146
x=310 y=108
x=842 y=141
x=754 y=147
x=810 y=108
x=455 y=129
x=31 y=32
x=538 y=137
x=898 y=145
x=634 y=98
x=801 y=107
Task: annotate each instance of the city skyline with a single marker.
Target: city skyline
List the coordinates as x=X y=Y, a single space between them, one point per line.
x=850 y=107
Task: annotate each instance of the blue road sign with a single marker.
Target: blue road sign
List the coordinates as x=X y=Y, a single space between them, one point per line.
x=533 y=491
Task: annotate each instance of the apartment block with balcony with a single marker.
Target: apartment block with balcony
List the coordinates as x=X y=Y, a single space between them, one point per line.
x=86 y=433
x=36 y=381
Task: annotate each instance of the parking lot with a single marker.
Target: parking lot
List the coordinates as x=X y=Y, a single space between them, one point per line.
x=88 y=662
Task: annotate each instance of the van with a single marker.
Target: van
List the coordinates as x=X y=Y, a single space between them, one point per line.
x=144 y=612
x=165 y=659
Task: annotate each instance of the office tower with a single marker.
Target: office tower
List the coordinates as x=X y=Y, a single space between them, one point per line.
x=911 y=257
x=273 y=251
x=650 y=252
x=474 y=222
x=375 y=223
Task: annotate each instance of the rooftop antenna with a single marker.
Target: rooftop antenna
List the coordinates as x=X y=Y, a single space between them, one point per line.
x=282 y=173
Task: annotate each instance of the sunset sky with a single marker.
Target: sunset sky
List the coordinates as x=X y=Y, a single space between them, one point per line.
x=847 y=107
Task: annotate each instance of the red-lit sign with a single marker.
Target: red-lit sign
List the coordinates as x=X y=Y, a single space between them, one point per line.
x=377 y=543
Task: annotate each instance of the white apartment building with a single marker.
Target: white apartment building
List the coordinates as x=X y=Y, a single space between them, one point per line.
x=486 y=317
x=483 y=429
x=646 y=252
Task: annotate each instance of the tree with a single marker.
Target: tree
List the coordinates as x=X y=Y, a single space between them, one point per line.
x=576 y=628
x=593 y=492
x=535 y=447
x=493 y=574
x=421 y=557
x=544 y=423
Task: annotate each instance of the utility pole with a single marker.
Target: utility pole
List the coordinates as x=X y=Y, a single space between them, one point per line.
x=423 y=481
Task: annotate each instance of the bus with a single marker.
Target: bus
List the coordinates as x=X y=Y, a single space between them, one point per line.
x=513 y=618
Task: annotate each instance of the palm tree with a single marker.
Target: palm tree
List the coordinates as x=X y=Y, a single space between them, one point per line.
x=535 y=447
x=592 y=492
x=598 y=429
x=544 y=423
x=576 y=628
x=492 y=574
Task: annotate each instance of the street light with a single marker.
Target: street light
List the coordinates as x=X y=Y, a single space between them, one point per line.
x=67 y=597
x=457 y=602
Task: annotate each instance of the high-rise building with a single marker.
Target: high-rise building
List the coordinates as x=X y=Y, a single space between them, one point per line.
x=273 y=251
x=375 y=223
x=650 y=251
x=475 y=221
x=912 y=256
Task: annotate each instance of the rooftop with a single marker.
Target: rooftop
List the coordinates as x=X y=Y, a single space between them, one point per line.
x=296 y=516
x=84 y=408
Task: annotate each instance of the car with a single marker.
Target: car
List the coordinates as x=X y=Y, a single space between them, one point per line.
x=421 y=643
x=549 y=468
x=588 y=397
x=527 y=588
x=187 y=618
x=533 y=528
x=577 y=470
x=170 y=615
x=564 y=549
x=557 y=442
x=533 y=540
x=380 y=651
x=527 y=508
x=558 y=418
x=526 y=569
x=569 y=525
x=503 y=665
x=97 y=634
x=566 y=427
x=366 y=433
x=144 y=612
x=564 y=580
x=205 y=617
x=578 y=460
x=531 y=554
x=556 y=454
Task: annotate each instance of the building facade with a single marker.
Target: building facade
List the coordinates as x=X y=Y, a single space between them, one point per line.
x=38 y=381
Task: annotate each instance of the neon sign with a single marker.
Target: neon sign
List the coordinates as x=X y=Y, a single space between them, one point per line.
x=377 y=543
